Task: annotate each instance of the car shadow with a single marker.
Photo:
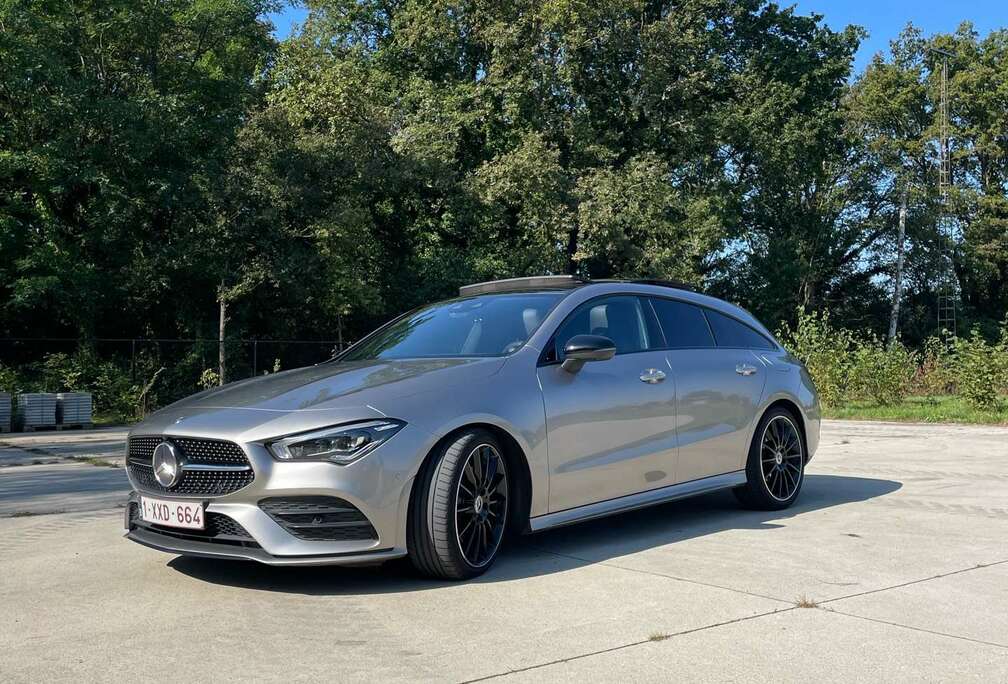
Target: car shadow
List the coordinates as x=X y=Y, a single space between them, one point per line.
x=556 y=550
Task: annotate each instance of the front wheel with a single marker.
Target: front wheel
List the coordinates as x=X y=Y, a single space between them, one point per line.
x=775 y=469
x=459 y=511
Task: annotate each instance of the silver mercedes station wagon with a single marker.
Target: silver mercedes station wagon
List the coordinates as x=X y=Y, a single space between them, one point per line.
x=521 y=405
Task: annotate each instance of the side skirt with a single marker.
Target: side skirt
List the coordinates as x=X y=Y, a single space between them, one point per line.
x=651 y=497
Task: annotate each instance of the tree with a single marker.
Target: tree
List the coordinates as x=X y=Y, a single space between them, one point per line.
x=802 y=181
x=607 y=139
x=892 y=107
x=115 y=120
x=977 y=93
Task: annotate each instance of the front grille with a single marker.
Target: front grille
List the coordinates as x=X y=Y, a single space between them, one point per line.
x=220 y=529
x=319 y=518
x=201 y=452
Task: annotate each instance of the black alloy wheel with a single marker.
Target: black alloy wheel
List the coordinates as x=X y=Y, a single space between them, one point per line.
x=460 y=506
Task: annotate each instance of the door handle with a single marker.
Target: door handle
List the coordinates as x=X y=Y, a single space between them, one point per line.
x=652 y=376
x=745 y=369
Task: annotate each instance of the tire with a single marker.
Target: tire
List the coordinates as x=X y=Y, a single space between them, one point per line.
x=775 y=469
x=460 y=507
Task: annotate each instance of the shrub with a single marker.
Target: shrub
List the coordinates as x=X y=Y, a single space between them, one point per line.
x=882 y=372
x=62 y=372
x=10 y=381
x=1003 y=355
x=209 y=378
x=935 y=376
x=111 y=388
x=979 y=369
x=825 y=351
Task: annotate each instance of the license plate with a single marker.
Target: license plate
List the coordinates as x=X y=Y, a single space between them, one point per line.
x=185 y=514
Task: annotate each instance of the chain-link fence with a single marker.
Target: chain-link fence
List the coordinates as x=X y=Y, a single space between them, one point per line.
x=169 y=368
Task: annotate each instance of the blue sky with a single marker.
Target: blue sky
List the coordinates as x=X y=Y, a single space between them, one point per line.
x=883 y=19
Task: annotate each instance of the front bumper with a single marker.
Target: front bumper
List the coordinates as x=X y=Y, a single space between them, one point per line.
x=187 y=547
x=378 y=486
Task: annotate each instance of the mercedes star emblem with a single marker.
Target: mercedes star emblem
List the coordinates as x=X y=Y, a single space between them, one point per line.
x=167 y=469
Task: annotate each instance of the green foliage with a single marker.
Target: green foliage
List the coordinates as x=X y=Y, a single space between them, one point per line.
x=110 y=386
x=209 y=378
x=980 y=369
x=826 y=352
x=880 y=372
x=935 y=377
x=165 y=158
x=10 y=380
x=115 y=122
x=929 y=409
x=845 y=366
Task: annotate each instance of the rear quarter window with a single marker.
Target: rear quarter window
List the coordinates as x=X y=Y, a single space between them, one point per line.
x=731 y=333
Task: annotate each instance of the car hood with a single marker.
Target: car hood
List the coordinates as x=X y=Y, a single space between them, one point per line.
x=304 y=398
x=338 y=385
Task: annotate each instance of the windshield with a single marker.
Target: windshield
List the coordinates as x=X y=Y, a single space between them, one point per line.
x=487 y=325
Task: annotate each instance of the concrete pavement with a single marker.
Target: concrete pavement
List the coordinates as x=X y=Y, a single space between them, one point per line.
x=898 y=541
x=47 y=447
x=62 y=472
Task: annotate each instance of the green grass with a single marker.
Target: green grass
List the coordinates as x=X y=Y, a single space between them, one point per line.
x=944 y=409
x=100 y=462
x=109 y=419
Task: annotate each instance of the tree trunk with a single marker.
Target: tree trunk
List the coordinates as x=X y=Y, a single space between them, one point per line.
x=221 y=357
x=572 y=245
x=898 y=280
x=808 y=293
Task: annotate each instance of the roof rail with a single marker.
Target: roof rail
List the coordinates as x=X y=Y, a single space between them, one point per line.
x=647 y=281
x=513 y=284
x=675 y=284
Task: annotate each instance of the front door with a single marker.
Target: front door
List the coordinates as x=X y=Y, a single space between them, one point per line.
x=610 y=426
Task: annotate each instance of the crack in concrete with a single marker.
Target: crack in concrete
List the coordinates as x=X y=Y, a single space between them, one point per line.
x=620 y=647
x=916 y=629
x=666 y=637
x=661 y=574
x=916 y=581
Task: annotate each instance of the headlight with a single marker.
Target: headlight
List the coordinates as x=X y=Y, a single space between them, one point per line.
x=342 y=444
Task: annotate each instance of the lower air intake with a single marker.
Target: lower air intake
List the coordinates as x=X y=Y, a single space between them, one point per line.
x=319 y=518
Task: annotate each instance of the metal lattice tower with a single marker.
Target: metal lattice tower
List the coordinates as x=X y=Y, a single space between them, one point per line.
x=947 y=284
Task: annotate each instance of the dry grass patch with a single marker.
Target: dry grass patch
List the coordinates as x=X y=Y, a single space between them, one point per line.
x=805 y=602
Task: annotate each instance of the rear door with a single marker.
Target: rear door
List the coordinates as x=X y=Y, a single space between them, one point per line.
x=610 y=426
x=719 y=384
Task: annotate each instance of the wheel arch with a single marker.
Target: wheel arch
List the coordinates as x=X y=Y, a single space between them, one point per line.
x=517 y=462
x=791 y=407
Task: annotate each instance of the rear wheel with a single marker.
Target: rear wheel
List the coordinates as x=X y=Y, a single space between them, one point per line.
x=459 y=511
x=775 y=469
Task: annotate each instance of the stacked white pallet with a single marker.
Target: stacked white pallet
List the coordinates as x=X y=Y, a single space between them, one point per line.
x=36 y=410
x=5 y=412
x=74 y=408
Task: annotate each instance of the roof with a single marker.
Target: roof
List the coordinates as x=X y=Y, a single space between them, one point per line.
x=568 y=282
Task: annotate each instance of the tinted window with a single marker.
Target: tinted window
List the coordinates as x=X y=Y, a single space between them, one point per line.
x=730 y=333
x=621 y=318
x=488 y=325
x=684 y=325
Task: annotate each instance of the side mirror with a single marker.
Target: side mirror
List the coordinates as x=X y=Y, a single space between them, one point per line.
x=583 y=348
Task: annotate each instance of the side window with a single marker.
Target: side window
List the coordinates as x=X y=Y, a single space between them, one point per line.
x=621 y=318
x=730 y=333
x=684 y=324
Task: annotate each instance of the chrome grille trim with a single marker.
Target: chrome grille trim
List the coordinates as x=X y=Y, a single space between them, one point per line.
x=219 y=468
x=210 y=467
